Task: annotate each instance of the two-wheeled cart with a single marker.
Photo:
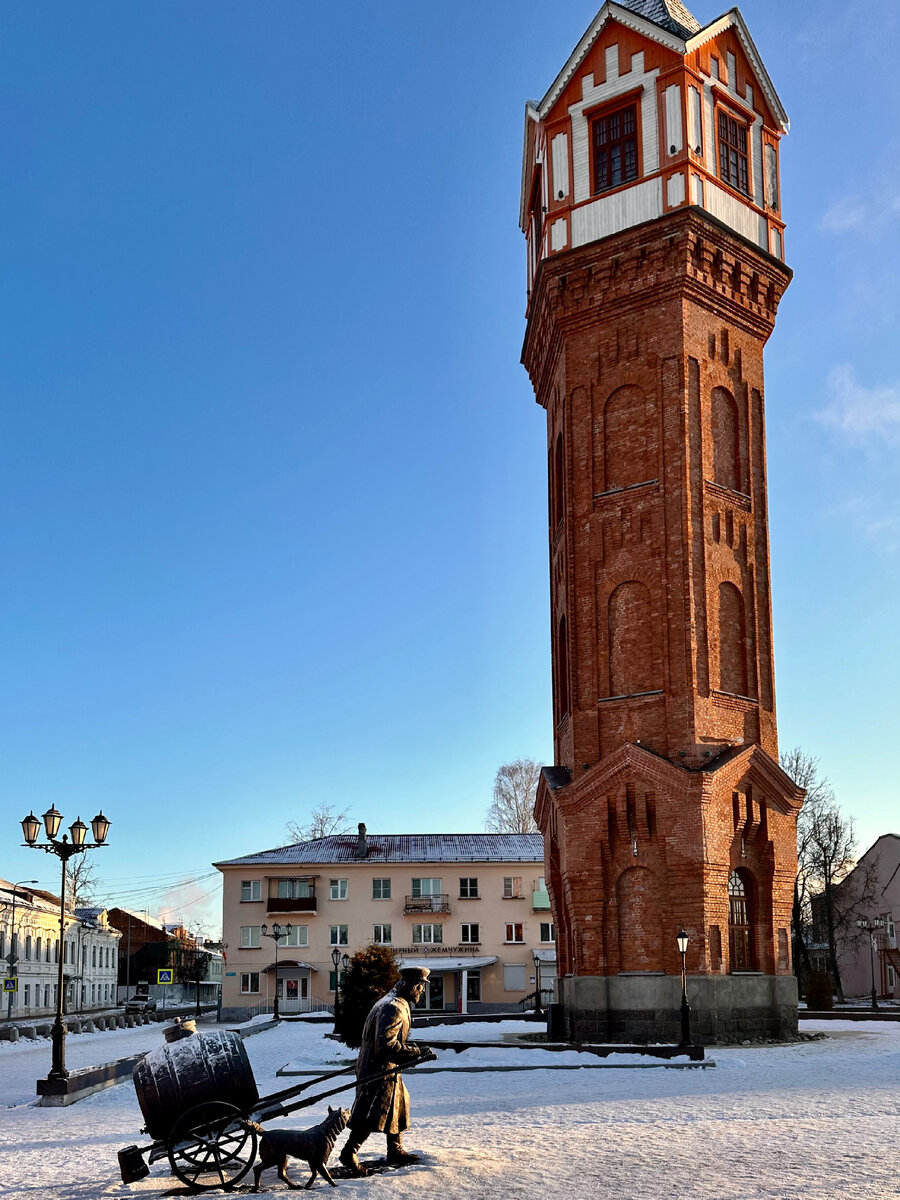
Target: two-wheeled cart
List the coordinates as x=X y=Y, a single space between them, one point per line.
x=201 y=1103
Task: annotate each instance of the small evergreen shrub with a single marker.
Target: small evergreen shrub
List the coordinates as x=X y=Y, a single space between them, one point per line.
x=371 y=972
x=819 y=986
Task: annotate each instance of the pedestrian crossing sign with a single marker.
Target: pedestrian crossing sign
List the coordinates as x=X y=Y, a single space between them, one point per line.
x=164 y=975
x=11 y=984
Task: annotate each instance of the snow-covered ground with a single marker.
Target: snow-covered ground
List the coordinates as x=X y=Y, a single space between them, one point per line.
x=816 y=1120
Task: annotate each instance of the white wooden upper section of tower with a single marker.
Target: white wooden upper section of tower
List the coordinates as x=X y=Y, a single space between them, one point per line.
x=646 y=117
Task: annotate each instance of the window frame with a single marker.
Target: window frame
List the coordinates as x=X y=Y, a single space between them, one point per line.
x=513 y=928
x=378 y=934
x=470 y=891
x=251 y=885
x=548 y=925
x=338 y=886
x=293 y=938
x=514 y=891
x=249 y=943
x=332 y=935
x=602 y=112
x=469 y=940
x=416 y=884
x=384 y=894
x=725 y=108
x=249 y=989
x=431 y=941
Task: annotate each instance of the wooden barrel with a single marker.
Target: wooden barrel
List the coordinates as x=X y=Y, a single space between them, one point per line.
x=190 y=1071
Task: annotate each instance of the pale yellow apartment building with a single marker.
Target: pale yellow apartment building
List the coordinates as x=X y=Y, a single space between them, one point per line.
x=472 y=907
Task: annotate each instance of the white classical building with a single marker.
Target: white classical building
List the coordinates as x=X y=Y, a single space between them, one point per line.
x=29 y=954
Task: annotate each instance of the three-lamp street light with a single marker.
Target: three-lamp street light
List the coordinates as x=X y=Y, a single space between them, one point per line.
x=682 y=941
x=64 y=850
x=13 y=957
x=339 y=961
x=872 y=928
x=276 y=933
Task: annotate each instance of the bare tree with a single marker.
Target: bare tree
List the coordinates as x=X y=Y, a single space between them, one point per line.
x=323 y=822
x=82 y=881
x=512 y=806
x=803 y=768
x=832 y=842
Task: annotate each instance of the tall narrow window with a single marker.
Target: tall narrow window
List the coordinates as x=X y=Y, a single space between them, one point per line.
x=733 y=152
x=740 y=941
x=614 y=145
x=558 y=484
x=726 y=440
x=562 y=650
x=733 y=676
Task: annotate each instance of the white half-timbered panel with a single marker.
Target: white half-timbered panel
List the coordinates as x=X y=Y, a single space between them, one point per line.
x=558 y=235
x=675 y=190
x=735 y=213
x=610 y=214
x=559 y=154
x=695 y=120
x=697 y=188
x=770 y=168
x=674 y=134
x=709 y=130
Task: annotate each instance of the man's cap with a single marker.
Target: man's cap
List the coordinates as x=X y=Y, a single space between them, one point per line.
x=414 y=974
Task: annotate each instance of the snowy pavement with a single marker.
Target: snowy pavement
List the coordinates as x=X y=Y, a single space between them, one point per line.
x=812 y=1121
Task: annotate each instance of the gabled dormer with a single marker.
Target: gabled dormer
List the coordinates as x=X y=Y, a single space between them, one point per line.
x=650 y=113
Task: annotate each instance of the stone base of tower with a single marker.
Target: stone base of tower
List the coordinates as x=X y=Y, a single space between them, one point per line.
x=647 y=1008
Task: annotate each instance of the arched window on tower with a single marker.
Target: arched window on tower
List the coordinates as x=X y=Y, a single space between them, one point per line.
x=726 y=440
x=733 y=674
x=562 y=669
x=632 y=663
x=740 y=922
x=559 y=500
x=627 y=457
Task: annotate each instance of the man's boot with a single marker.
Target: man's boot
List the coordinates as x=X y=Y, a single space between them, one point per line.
x=396 y=1155
x=348 y=1155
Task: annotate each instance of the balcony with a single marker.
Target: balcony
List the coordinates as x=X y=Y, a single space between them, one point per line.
x=294 y=904
x=540 y=902
x=427 y=904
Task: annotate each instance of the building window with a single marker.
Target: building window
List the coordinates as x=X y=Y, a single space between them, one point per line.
x=27 y=996
x=426 y=887
x=381 y=889
x=251 y=889
x=381 y=934
x=93 y=956
x=46 y=995
x=514 y=977
x=614 y=148
x=469 y=934
x=250 y=981
x=294 y=889
x=28 y=946
x=337 y=889
x=427 y=934
x=338 y=935
x=299 y=936
x=740 y=942
x=514 y=933
x=37 y=950
x=548 y=933
x=512 y=887
x=249 y=937
x=733 y=152
x=891 y=978
x=468 y=889
x=473 y=987
x=332 y=981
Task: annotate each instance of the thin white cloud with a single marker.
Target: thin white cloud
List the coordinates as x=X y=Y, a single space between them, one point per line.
x=855 y=214
x=877 y=516
x=864 y=413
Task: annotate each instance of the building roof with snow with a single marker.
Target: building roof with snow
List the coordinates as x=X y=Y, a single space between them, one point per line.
x=402 y=848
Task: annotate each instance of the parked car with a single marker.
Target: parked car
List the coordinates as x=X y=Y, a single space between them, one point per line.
x=140 y=1004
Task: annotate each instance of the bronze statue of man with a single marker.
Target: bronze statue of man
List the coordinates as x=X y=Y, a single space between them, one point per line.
x=383 y=1106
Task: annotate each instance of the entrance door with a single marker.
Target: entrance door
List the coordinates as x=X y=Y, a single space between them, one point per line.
x=433 y=999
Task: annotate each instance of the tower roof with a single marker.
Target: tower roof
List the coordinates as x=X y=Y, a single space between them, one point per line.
x=668 y=14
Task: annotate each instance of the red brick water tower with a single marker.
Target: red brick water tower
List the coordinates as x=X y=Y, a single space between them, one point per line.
x=652 y=208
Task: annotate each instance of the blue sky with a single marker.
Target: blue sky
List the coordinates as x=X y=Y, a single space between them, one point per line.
x=273 y=480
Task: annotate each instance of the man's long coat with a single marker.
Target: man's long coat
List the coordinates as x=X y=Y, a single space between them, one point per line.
x=384 y=1105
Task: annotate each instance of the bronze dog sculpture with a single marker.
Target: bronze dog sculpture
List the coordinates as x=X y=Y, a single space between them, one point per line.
x=314 y=1146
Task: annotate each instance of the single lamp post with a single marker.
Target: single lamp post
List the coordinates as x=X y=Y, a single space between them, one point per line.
x=339 y=961
x=64 y=849
x=276 y=934
x=872 y=928
x=13 y=957
x=682 y=940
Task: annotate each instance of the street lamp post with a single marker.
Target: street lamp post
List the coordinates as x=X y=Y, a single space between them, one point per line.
x=339 y=961
x=64 y=850
x=871 y=928
x=682 y=940
x=277 y=933
x=13 y=957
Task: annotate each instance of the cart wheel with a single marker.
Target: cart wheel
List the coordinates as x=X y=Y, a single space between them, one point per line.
x=211 y=1146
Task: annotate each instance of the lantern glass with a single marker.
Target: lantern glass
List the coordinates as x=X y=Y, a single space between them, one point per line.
x=31 y=827
x=682 y=939
x=52 y=821
x=264 y=930
x=78 y=830
x=335 y=957
x=287 y=929
x=345 y=962
x=100 y=827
